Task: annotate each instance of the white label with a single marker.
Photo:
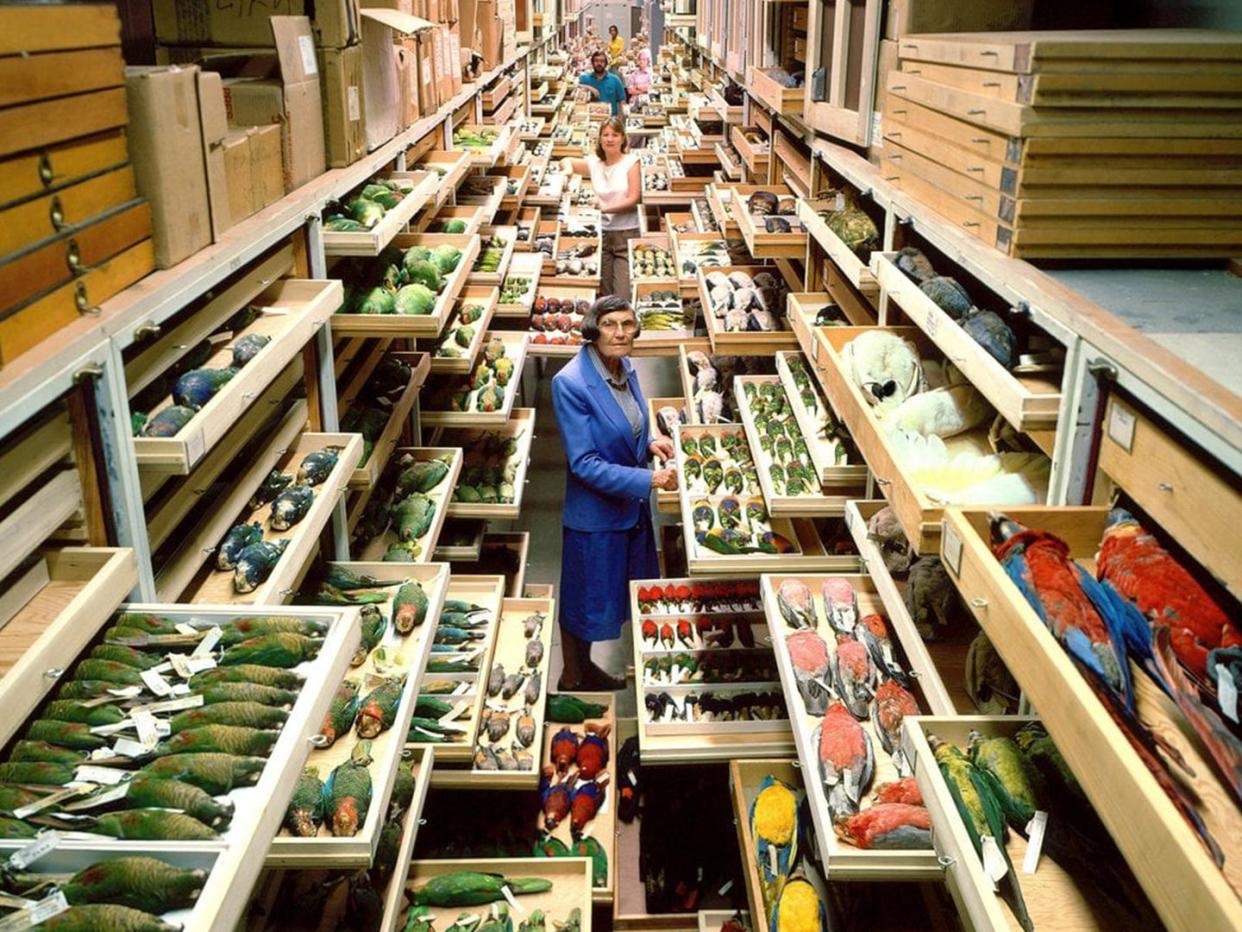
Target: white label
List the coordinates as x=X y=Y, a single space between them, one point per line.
x=44 y=844
x=199 y=664
x=156 y=683
x=208 y=643
x=104 y=776
x=148 y=733
x=107 y=796
x=461 y=688
x=426 y=70
x=128 y=692
x=181 y=664
x=1035 y=841
x=1121 y=426
x=353 y=104
x=47 y=802
x=195 y=446
x=951 y=549
x=181 y=689
x=51 y=905
x=877 y=130
x=633 y=777
x=132 y=749
x=726 y=888
x=513 y=903
x=993 y=861
x=930 y=323
x=839 y=203
x=1227 y=692
x=171 y=705
x=774 y=863
x=306 y=45
x=188 y=630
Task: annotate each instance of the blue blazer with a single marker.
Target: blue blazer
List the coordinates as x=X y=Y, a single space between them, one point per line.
x=608 y=479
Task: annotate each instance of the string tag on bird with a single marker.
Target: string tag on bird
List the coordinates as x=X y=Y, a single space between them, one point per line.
x=208 y=643
x=513 y=903
x=36 y=913
x=44 y=844
x=1035 y=830
x=1227 y=691
x=170 y=705
x=993 y=861
x=156 y=683
x=47 y=802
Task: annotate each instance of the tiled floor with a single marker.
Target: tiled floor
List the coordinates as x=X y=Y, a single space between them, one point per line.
x=545 y=495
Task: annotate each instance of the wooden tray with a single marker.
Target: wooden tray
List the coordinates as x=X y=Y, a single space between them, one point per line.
x=1028 y=402
x=487 y=156
x=1055 y=897
x=469 y=551
x=358 y=851
x=523 y=264
x=683 y=252
x=372 y=242
x=851 y=266
x=294 y=310
x=191 y=573
x=499 y=91
x=571 y=888
x=515 y=348
x=729 y=163
x=394 y=890
x=374 y=551
x=841 y=860
x=918 y=513
x=487 y=591
x=521 y=426
x=553 y=228
x=805 y=307
x=412 y=325
x=527 y=217
x=744 y=779
x=846 y=479
x=566 y=242
x=747 y=343
x=761 y=243
x=455 y=165
x=368 y=474
x=1165 y=854
x=518 y=545
x=488 y=203
x=787 y=100
x=755 y=157
x=507 y=233
x=470 y=213
x=655 y=241
x=509 y=172
x=485 y=295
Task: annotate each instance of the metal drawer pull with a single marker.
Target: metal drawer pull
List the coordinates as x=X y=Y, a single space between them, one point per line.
x=56 y=213
x=317 y=741
x=1164 y=487
x=54 y=673
x=978 y=602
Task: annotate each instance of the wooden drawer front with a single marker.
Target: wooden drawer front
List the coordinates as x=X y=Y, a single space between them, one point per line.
x=29 y=126
x=38 y=77
x=26 y=29
x=23 y=328
x=61 y=259
x=37 y=172
x=46 y=216
x=1196 y=506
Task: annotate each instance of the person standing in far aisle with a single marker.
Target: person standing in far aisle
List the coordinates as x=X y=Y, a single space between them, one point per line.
x=638 y=83
x=616 y=45
x=617 y=180
x=607 y=534
x=603 y=86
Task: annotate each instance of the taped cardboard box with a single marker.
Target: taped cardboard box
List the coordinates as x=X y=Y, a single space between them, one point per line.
x=381 y=94
x=267 y=177
x=454 y=56
x=334 y=23
x=407 y=84
x=166 y=149
x=236 y=149
x=344 y=113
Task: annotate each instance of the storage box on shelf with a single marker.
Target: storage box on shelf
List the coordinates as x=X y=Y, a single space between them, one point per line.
x=192 y=574
x=475 y=308
x=371 y=464
x=703 y=617
x=449 y=166
x=766 y=216
x=373 y=666
x=1161 y=848
x=416 y=543
x=805 y=603
x=350 y=322
x=417 y=188
x=290 y=311
x=905 y=483
x=746 y=538
x=461 y=678
x=492 y=458
x=233 y=848
x=454 y=403
x=765 y=304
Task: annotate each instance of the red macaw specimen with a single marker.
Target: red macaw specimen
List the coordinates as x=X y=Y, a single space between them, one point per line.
x=651 y=633
x=1134 y=563
x=666 y=635
x=846 y=760
x=893 y=703
x=888 y=826
x=853 y=676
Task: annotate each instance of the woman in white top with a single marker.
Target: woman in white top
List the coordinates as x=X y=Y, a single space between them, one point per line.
x=617 y=180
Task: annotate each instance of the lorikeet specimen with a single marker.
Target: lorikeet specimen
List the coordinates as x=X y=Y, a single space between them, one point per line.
x=846 y=760
x=774 y=824
x=587 y=799
x=592 y=754
x=1134 y=563
x=892 y=826
x=556 y=798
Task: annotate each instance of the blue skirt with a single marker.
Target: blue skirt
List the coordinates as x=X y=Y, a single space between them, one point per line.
x=596 y=569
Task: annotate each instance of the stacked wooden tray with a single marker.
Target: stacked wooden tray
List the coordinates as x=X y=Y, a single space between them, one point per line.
x=1097 y=144
x=376 y=549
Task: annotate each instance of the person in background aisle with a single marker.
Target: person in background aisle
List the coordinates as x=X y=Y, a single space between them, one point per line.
x=602 y=85
x=607 y=534
x=617 y=180
x=638 y=82
x=616 y=45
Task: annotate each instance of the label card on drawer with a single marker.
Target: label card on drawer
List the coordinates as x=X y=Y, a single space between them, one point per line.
x=195 y=446
x=1121 y=422
x=951 y=549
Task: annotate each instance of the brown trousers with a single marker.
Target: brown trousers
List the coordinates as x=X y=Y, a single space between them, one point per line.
x=614 y=266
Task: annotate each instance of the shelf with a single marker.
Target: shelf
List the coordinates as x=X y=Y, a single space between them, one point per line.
x=372 y=242
x=472 y=215
x=521 y=427
x=516 y=345
x=1162 y=850
x=38 y=517
x=376 y=549
x=512 y=549
x=367 y=475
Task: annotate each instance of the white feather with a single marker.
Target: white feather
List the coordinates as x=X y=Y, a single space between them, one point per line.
x=877 y=357
x=944 y=412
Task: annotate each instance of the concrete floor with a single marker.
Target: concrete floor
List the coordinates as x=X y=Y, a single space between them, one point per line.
x=545 y=496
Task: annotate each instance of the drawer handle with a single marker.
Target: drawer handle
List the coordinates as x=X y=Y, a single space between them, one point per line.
x=54 y=673
x=73 y=257
x=977 y=602
x=82 y=302
x=945 y=861
x=317 y=741
x=1164 y=487
x=880 y=481
x=45 y=169
x=56 y=212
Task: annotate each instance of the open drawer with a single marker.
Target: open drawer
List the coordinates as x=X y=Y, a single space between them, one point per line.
x=504 y=553
x=752 y=147
x=842 y=859
x=521 y=283
x=247 y=808
x=556 y=317
x=494 y=468
x=829 y=451
x=746 y=779
x=376 y=548
x=777 y=234
x=495 y=253
x=666 y=502
x=448 y=220
x=1165 y=853
x=475 y=308
x=718 y=615
x=484 y=192
x=394 y=654
x=853 y=266
x=486 y=143
x=450 y=169
x=907 y=486
x=1055 y=898
x=517 y=182
x=1027 y=401
x=351 y=323
x=740 y=340
x=808 y=310
x=290 y=311
x=368 y=473
x=453 y=403
x=461 y=540
x=722 y=203
x=191 y=574
x=419 y=187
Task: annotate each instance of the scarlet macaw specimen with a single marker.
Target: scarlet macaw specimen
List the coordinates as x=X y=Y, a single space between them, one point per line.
x=890 y=826
x=846 y=760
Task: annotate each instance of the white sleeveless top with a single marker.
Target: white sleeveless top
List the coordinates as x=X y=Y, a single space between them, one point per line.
x=611 y=184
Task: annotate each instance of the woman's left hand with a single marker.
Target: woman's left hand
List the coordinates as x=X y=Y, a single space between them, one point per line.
x=662 y=449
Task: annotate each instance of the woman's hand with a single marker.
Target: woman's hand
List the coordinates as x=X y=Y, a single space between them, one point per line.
x=661 y=448
x=665 y=479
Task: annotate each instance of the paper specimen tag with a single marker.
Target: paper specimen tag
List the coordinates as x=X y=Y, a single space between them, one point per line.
x=187 y=630
x=51 y=905
x=199 y=664
x=774 y=864
x=128 y=692
x=951 y=549
x=181 y=665
x=726 y=888
x=171 y=705
x=44 y=844
x=46 y=802
x=1121 y=422
x=309 y=64
x=993 y=861
x=1034 y=841
x=208 y=643
x=1227 y=692
x=156 y=683
x=133 y=749
x=633 y=777
x=101 y=799
x=513 y=903
x=148 y=733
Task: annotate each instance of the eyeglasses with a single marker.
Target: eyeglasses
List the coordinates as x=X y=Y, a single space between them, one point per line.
x=629 y=325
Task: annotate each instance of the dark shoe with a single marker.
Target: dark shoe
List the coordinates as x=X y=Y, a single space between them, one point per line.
x=600 y=680
x=564 y=686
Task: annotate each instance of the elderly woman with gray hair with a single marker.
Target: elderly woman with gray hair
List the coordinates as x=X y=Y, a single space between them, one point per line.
x=607 y=533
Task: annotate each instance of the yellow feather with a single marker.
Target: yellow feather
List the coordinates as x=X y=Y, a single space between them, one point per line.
x=776 y=811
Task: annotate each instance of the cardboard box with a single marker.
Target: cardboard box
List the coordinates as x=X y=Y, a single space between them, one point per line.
x=214 y=122
x=267 y=176
x=381 y=94
x=240 y=178
x=344 y=114
x=467 y=23
x=166 y=148
x=444 y=64
x=454 y=57
x=490 y=33
x=407 y=85
x=401 y=6
x=334 y=23
x=428 y=96
x=257 y=94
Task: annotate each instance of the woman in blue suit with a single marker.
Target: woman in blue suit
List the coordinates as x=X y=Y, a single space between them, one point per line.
x=608 y=538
